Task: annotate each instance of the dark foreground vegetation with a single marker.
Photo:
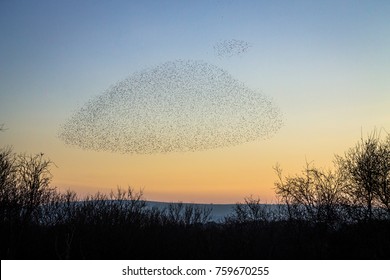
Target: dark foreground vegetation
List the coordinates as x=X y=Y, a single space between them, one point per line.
x=338 y=214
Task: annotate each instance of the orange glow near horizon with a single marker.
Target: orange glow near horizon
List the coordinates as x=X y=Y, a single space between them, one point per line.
x=225 y=175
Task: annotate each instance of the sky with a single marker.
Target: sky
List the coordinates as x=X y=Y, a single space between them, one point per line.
x=325 y=64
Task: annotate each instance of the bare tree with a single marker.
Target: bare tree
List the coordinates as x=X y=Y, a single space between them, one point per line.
x=34 y=179
x=188 y=214
x=366 y=175
x=7 y=172
x=128 y=200
x=252 y=210
x=383 y=189
x=9 y=195
x=315 y=195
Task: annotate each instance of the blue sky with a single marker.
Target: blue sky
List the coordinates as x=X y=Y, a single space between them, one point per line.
x=325 y=63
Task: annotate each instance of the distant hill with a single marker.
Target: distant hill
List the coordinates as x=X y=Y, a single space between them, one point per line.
x=219 y=211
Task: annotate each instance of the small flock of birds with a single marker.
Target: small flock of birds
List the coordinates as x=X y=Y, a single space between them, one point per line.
x=178 y=106
x=229 y=48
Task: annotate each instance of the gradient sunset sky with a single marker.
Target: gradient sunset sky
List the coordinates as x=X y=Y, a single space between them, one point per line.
x=326 y=64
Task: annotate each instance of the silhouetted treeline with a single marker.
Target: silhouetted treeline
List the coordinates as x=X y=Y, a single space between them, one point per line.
x=356 y=190
x=339 y=214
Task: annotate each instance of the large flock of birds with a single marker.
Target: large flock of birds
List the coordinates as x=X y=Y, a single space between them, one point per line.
x=178 y=106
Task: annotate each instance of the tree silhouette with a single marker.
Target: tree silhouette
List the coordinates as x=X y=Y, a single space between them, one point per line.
x=9 y=195
x=314 y=195
x=33 y=177
x=252 y=210
x=383 y=189
x=365 y=169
